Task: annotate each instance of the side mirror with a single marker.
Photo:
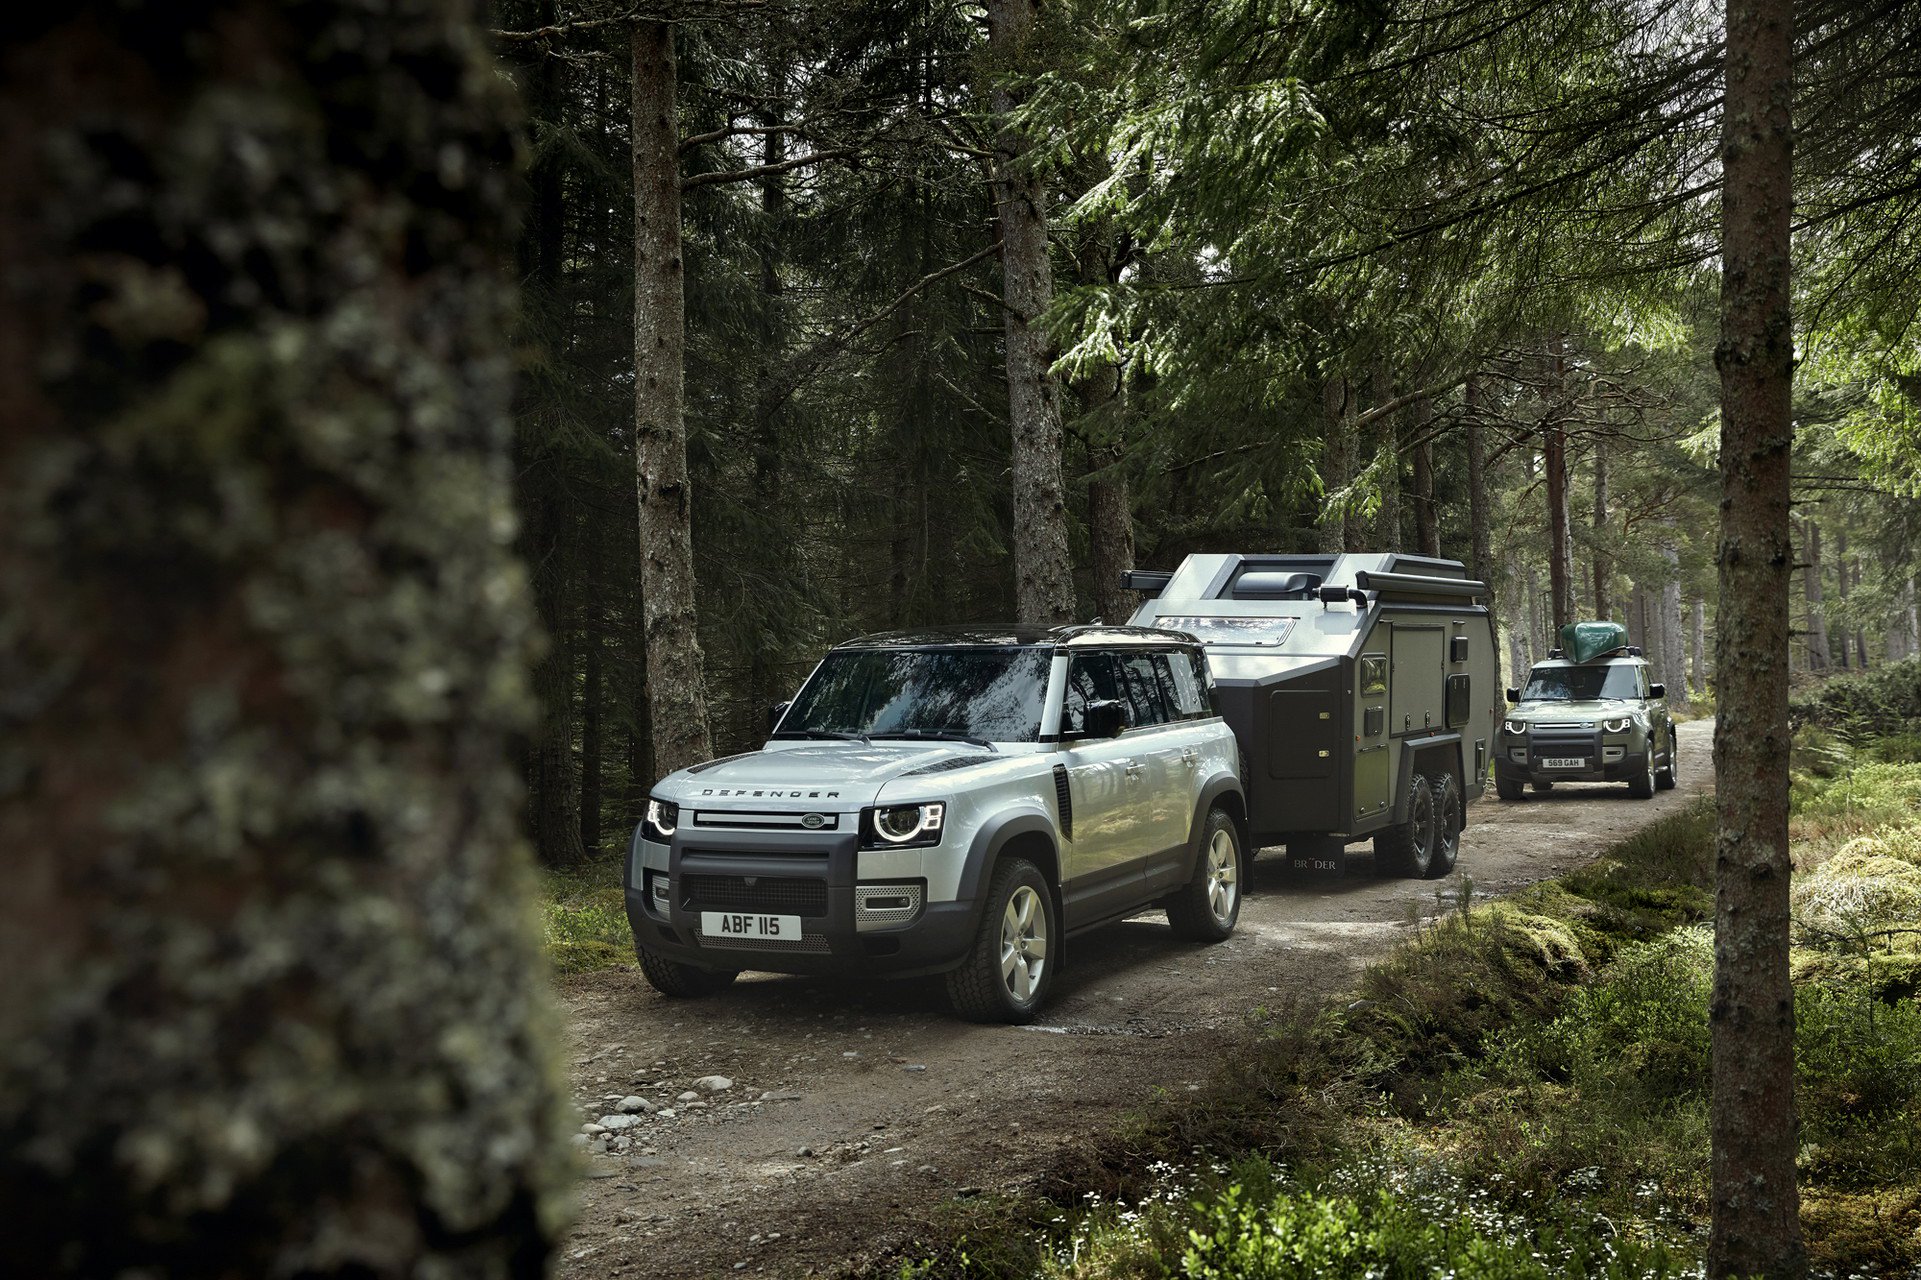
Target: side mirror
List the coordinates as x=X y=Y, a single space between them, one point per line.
x=774 y=713
x=1657 y=691
x=1105 y=718
x=1513 y=695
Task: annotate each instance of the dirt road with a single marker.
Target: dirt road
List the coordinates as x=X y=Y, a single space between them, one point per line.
x=853 y=1108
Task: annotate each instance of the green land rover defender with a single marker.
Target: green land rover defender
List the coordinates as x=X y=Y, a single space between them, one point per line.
x=1589 y=713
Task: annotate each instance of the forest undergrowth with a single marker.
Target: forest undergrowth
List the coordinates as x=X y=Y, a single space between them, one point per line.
x=1521 y=1089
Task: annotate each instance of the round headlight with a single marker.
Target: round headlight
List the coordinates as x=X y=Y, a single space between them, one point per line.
x=1516 y=726
x=900 y=824
x=662 y=815
x=1618 y=726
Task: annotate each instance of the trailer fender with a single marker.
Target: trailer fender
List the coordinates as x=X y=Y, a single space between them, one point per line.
x=1411 y=748
x=1222 y=790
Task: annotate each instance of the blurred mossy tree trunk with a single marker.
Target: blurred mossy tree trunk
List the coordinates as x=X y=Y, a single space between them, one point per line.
x=1756 y=1229
x=272 y=1001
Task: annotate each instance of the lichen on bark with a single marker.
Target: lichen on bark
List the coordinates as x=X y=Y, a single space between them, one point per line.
x=274 y=1003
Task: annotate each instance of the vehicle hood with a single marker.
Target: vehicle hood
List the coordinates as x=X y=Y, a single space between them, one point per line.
x=1596 y=709
x=843 y=775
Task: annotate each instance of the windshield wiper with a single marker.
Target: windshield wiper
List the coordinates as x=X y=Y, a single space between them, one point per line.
x=831 y=735
x=939 y=735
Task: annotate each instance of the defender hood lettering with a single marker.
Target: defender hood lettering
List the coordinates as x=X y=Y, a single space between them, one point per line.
x=844 y=773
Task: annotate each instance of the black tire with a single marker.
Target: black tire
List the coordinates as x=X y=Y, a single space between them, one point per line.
x=1664 y=777
x=683 y=981
x=982 y=989
x=1407 y=848
x=1207 y=906
x=1641 y=786
x=1449 y=818
x=1509 y=788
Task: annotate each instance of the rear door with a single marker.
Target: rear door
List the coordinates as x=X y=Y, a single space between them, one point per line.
x=1102 y=869
x=1158 y=739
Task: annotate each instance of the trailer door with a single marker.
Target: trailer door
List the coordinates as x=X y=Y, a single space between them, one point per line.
x=1417 y=703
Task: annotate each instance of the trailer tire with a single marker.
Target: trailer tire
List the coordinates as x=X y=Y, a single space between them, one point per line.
x=1207 y=907
x=1449 y=818
x=1407 y=848
x=1509 y=788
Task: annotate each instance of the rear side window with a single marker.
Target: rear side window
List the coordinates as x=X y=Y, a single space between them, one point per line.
x=1182 y=690
x=1091 y=677
x=1144 y=689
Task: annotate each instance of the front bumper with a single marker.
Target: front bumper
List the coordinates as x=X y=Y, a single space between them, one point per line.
x=1609 y=757
x=785 y=873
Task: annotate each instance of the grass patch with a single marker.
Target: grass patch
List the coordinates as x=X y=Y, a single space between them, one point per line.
x=583 y=913
x=1523 y=1089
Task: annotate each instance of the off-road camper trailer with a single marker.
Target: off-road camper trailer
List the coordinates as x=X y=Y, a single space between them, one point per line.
x=1363 y=689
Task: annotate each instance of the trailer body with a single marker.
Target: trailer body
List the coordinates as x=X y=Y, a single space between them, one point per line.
x=1342 y=676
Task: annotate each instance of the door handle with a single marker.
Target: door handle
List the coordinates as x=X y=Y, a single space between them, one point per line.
x=1133 y=768
x=1190 y=757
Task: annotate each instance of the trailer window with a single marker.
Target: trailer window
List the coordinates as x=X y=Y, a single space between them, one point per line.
x=1265 y=632
x=1373 y=674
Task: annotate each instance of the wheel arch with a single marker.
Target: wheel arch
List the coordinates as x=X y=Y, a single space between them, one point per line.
x=1222 y=791
x=1019 y=833
x=1447 y=747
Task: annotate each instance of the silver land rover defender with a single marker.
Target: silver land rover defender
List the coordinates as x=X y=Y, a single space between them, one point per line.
x=1597 y=721
x=957 y=802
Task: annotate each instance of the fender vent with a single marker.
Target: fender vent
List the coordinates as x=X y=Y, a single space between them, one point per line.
x=1065 y=799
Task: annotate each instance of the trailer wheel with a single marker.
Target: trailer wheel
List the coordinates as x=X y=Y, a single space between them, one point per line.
x=1447 y=825
x=1408 y=848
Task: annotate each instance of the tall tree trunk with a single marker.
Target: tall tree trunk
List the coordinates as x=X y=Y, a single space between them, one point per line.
x=1536 y=623
x=1479 y=534
x=1043 y=570
x=770 y=415
x=1385 y=451
x=1756 y=1227
x=1820 y=657
x=592 y=740
x=1337 y=463
x=1517 y=652
x=1700 y=631
x=1674 y=648
x=1842 y=653
x=270 y=1006
x=676 y=687
x=1554 y=458
x=1110 y=508
x=1603 y=562
x=1427 y=519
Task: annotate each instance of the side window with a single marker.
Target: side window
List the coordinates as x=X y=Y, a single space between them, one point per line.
x=1090 y=678
x=1204 y=679
x=1373 y=675
x=1144 y=689
x=1177 y=673
x=1647 y=688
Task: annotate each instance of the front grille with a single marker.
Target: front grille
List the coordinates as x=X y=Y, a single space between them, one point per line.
x=765 y=895
x=807 y=943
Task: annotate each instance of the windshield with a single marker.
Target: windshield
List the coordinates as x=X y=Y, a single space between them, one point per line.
x=1582 y=684
x=992 y=694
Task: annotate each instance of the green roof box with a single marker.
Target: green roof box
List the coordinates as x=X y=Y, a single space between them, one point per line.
x=1586 y=641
